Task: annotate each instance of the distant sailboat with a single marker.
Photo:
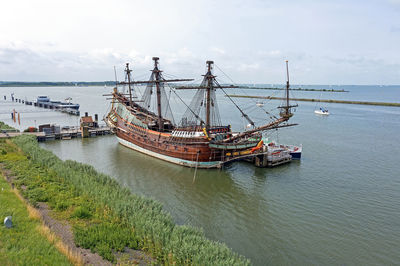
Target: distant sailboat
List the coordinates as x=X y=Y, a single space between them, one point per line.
x=321 y=110
x=260 y=104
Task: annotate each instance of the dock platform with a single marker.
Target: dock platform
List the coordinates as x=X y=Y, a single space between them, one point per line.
x=64 y=134
x=264 y=158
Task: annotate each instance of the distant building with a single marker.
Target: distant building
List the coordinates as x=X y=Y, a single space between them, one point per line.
x=87 y=121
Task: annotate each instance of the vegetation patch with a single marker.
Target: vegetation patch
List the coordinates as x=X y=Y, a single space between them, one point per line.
x=23 y=244
x=4 y=126
x=105 y=216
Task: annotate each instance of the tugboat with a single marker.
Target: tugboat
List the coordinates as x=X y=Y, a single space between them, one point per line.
x=199 y=139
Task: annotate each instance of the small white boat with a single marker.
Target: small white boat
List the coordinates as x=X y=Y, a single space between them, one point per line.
x=322 y=111
x=260 y=104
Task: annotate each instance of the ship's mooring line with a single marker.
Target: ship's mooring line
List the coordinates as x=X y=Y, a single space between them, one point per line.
x=195 y=169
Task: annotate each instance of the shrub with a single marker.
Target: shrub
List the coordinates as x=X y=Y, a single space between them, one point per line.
x=81 y=212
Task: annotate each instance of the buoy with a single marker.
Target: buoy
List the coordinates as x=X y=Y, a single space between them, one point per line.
x=8 y=222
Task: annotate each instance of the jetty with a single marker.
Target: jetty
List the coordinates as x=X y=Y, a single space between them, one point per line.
x=64 y=107
x=5 y=134
x=63 y=134
x=317 y=100
x=264 y=158
x=89 y=127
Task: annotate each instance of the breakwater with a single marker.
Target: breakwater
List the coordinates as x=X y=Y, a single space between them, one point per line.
x=295 y=89
x=317 y=100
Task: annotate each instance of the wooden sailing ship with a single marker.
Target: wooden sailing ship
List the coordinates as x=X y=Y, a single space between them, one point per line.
x=199 y=139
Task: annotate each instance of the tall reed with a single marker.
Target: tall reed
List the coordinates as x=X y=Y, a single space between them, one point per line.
x=152 y=228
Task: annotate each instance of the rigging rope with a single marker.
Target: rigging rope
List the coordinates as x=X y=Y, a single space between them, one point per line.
x=271 y=116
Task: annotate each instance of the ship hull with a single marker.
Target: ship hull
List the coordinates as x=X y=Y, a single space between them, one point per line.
x=175 y=160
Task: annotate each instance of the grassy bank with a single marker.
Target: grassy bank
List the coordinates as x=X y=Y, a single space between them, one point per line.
x=316 y=100
x=105 y=216
x=23 y=244
x=4 y=126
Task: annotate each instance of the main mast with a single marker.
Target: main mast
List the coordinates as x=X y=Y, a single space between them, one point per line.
x=209 y=76
x=128 y=73
x=208 y=85
x=157 y=79
x=156 y=73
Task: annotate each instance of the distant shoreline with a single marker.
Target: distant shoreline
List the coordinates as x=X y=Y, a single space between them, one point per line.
x=316 y=100
x=298 y=89
x=56 y=84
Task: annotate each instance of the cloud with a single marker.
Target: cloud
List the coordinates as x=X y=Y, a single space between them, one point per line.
x=218 y=50
x=395 y=28
x=249 y=67
x=356 y=60
x=395 y=2
x=272 y=53
x=20 y=62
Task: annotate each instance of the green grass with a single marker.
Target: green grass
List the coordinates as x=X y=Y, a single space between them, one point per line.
x=4 y=126
x=23 y=244
x=44 y=185
x=107 y=217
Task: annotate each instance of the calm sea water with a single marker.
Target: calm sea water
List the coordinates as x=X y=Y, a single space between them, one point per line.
x=339 y=205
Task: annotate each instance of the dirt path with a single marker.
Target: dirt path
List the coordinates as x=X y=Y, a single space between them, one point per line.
x=64 y=232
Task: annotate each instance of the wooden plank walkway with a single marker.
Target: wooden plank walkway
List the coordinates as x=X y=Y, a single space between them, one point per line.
x=15 y=134
x=73 y=132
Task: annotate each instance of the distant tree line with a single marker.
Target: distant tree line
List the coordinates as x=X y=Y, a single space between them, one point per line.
x=51 y=84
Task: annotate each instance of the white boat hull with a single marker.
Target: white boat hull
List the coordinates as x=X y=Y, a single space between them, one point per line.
x=319 y=112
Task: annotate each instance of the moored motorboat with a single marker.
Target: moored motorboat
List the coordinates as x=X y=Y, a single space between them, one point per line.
x=295 y=151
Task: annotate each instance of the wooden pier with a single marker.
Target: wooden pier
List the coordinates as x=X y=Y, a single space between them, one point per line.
x=264 y=158
x=4 y=134
x=47 y=105
x=64 y=134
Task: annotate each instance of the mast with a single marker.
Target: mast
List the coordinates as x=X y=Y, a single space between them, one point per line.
x=209 y=77
x=286 y=112
x=278 y=123
x=156 y=73
x=157 y=79
x=287 y=86
x=128 y=73
x=208 y=84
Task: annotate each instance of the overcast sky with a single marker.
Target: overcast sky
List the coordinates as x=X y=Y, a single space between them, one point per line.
x=326 y=42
